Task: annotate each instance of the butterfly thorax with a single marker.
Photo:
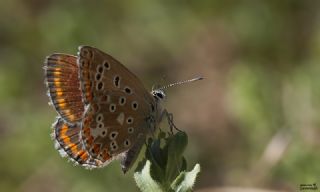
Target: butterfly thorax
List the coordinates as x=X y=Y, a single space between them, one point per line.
x=158 y=97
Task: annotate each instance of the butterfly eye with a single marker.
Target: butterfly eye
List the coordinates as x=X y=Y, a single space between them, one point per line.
x=159 y=95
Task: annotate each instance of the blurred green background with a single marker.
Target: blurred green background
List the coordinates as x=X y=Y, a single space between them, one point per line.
x=252 y=123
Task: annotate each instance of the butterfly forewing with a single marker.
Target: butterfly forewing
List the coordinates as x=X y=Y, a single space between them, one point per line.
x=117 y=105
x=100 y=71
x=63 y=85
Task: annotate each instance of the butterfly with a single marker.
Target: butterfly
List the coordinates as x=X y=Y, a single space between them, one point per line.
x=104 y=111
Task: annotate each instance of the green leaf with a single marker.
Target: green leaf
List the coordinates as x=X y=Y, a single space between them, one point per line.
x=176 y=146
x=164 y=167
x=145 y=181
x=183 y=165
x=185 y=181
x=154 y=155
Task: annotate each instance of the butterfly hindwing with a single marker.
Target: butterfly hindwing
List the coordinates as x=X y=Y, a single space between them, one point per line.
x=69 y=143
x=129 y=157
x=109 y=131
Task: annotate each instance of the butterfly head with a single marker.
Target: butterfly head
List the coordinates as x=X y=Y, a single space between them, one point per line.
x=159 y=94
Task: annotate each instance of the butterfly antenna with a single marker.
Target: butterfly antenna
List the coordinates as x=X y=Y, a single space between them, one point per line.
x=181 y=82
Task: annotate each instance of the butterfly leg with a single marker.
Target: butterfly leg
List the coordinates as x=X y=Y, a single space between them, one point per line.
x=170 y=120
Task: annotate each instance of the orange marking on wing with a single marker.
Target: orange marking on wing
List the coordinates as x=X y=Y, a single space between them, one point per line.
x=83 y=155
x=56 y=79
x=67 y=111
x=96 y=148
x=57 y=69
x=59 y=90
x=64 y=128
x=90 y=140
x=71 y=117
x=59 y=62
x=86 y=131
x=105 y=155
x=66 y=140
x=63 y=135
x=61 y=100
x=57 y=73
x=62 y=105
x=74 y=148
x=89 y=96
x=72 y=145
x=59 y=93
x=57 y=83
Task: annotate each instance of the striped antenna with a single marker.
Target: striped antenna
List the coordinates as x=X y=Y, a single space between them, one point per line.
x=181 y=82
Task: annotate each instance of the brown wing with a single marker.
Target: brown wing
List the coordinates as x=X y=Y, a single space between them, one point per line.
x=100 y=71
x=118 y=105
x=69 y=143
x=129 y=157
x=63 y=85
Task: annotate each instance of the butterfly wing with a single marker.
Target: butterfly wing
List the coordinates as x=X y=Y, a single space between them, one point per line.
x=129 y=157
x=117 y=105
x=69 y=143
x=63 y=85
x=100 y=71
